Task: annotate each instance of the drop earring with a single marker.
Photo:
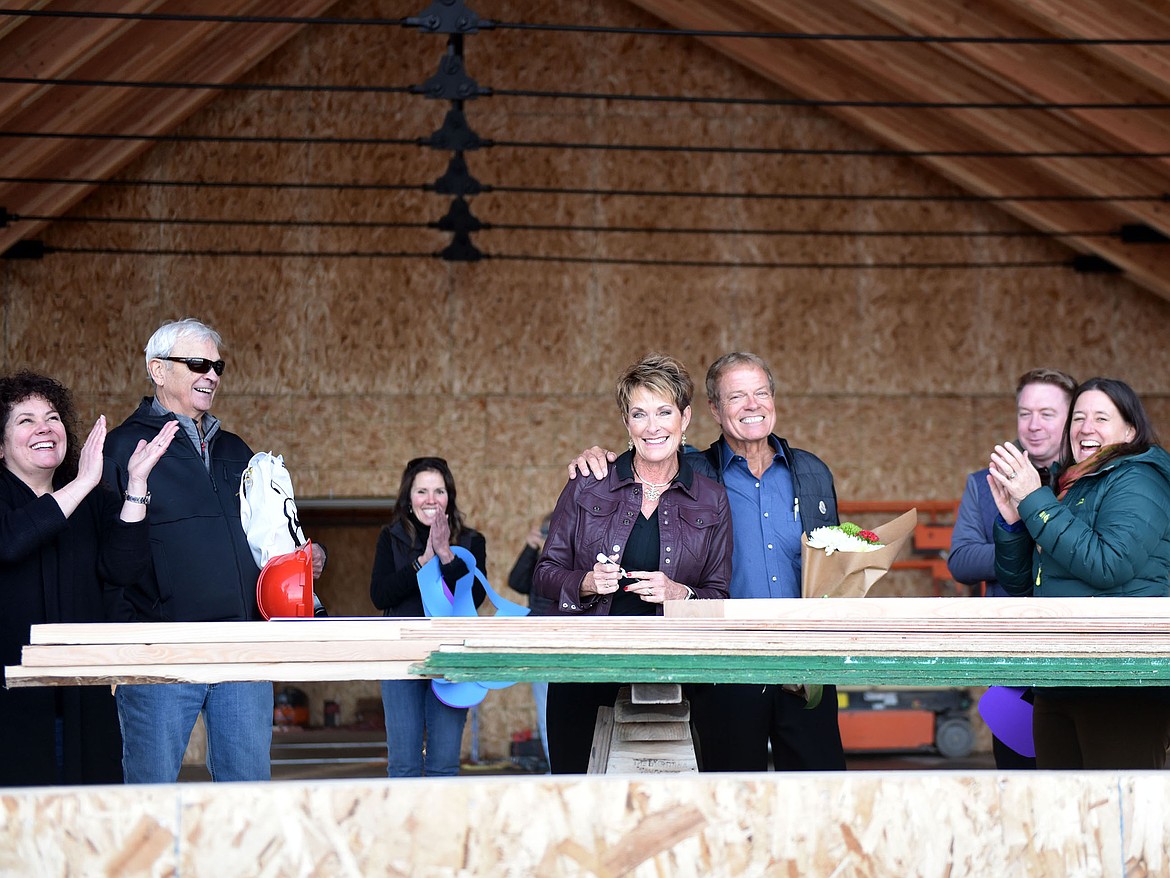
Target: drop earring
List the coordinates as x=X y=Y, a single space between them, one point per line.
x=684 y=437
x=630 y=444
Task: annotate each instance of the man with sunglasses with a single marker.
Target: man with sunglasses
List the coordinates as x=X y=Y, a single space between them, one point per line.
x=203 y=569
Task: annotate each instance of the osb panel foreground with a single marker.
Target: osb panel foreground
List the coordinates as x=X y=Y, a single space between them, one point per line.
x=875 y=824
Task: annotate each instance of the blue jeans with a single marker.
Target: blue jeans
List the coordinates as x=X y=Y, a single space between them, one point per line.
x=157 y=719
x=540 y=696
x=413 y=712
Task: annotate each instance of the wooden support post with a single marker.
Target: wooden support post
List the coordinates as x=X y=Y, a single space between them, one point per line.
x=649 y=736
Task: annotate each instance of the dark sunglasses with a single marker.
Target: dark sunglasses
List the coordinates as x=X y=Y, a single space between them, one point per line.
x=201 y=365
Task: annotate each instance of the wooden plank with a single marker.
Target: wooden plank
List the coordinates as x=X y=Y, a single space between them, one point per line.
x=626 y=732
x=868 y=610
x=834 y=669
x=626 y=711
x=816 y=642
x=653 y=693
x=652 y=757
x=226 y=653
x=993 y=615
x=226 y=632
x=602 y=736
x=1136 y=21
x=278 y=672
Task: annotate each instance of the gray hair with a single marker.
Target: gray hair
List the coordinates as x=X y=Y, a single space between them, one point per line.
x=730 y=361
x=167 y=336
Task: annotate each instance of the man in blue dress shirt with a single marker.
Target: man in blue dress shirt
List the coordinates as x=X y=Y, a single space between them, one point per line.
x=776 y=493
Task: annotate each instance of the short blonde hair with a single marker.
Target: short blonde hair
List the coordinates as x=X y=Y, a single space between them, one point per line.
x=1048 y=376
x=664 y=375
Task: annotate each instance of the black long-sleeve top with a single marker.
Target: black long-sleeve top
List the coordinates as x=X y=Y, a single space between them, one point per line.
x=394 y=582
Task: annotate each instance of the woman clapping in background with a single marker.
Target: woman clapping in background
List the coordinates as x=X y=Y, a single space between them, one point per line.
x=1103 y=530
x=66 y=545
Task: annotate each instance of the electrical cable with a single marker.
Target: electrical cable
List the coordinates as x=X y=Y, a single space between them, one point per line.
x=205 y=86
x=265 y=139
x=800 y=266
x=224 y=184
x=806 y=152
x=250 y=254
x=835 y=38
x=830 y=103
x=554 y=190
x=822 y=196
x=219 y=221
x=800 y=233
x=566 y=227
x=525 y=257
x=825 y=152
x=594 y=96
x=599 y=29
x=201 y=18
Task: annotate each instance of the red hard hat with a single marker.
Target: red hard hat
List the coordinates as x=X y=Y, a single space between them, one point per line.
x=285 y=586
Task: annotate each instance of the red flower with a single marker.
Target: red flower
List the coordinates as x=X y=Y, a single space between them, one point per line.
x=869 y=536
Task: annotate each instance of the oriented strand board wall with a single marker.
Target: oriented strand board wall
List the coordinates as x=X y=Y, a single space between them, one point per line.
x=900 y=379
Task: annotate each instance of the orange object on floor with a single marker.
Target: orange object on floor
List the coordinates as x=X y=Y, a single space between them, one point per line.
x=886 y=729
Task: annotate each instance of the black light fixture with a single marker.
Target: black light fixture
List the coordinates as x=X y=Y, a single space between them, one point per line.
x=1141 y=233
x=1090 y=263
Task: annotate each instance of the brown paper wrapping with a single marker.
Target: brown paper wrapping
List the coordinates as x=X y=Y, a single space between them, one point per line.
x=852 y=574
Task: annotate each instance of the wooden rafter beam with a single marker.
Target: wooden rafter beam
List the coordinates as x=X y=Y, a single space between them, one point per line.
x=869 y=71
x=171 y=51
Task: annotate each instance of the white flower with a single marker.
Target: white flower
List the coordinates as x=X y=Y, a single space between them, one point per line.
x=833 y=539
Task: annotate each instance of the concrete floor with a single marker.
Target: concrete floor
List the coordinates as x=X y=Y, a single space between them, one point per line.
x=333 y=754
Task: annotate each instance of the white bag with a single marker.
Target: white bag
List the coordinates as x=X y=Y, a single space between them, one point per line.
x=267 y=508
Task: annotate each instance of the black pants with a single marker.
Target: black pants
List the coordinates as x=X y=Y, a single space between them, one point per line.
x=1008 y=759
x=736 y=721
x=571 y=716
x=1118 y=728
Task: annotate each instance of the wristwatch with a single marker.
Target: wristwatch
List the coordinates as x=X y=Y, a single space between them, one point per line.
x=130 y=498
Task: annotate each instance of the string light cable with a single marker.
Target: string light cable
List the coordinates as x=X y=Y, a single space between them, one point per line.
x=815 y=103
x=426 y=21
x=451 y=17
x=569 y=146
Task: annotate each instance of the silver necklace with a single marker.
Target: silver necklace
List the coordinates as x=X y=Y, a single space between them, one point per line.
x=652 y=490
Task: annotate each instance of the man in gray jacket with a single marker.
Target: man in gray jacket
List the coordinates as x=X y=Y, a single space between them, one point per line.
x=1042 y=400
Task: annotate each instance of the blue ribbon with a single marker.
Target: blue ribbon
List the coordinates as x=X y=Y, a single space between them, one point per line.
x=438 y=602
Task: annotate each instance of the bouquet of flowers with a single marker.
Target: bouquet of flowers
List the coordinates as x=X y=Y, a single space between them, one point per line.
x=843 y=537
x=845 y=561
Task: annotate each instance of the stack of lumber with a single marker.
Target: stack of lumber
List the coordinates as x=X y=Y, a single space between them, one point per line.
x=854 y=641
x=850 y=641
x=211 y=652
x=647 y=731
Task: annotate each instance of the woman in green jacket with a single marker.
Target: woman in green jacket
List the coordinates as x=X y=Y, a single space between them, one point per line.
x=1102 y=530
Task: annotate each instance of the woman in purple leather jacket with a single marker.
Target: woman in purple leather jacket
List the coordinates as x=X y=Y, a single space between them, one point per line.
x=653 y=530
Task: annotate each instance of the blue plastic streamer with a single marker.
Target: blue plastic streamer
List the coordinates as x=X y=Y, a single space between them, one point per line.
x=439 y=603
